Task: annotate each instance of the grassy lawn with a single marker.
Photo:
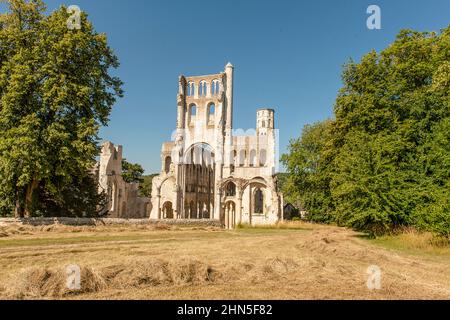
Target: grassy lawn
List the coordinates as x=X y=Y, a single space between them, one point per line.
x=424 y=245
x=292 y=261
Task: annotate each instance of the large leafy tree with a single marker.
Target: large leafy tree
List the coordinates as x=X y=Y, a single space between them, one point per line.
x=56 y=90
x=388 y=161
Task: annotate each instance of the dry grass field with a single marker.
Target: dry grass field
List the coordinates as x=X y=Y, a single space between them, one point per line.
x=293 y=261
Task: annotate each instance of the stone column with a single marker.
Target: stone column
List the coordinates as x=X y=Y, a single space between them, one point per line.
x=239 y=208
x=250 y=200
x=158 y=197
x=229 y=70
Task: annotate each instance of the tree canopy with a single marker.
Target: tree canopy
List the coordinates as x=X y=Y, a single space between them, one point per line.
x=56 y=90
x=383 y=162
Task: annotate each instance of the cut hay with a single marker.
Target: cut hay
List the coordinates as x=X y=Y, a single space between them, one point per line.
x=155 y=273
x=37 y=283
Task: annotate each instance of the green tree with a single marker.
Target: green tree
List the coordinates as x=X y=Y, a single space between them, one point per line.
x=308 y=184
x=132 y=172
x=79 y=199
x=145 y=188
x=55 y=93
x=386 y=156
x=390 y=165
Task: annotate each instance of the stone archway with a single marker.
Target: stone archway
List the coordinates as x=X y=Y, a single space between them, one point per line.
x=255 y=200
x=167 y=210
x=199 y=181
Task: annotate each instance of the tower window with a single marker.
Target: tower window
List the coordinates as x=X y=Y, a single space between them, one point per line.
x=263 y=158
x=212 y=109
x=193 y=110
x=167 y=164
x=211 y=112
x=242 y=156
x=202 y=89
x=191 y=89
x=253 y=158
x=215 y=87
x=192 y=113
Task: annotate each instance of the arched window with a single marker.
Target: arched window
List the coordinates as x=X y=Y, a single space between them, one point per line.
x=259 y=201
x=193 y=110
x=230 y=190
x=233 y=156
x=212 y=109
x=263 y=124
x=262 y=157
x=167 y=210
x=192 y=114
x=191 y=89
x=215 y=87
x=167 y=164
x=253 y=158
x=202 y=89
x=211 y=113
x=242 y=156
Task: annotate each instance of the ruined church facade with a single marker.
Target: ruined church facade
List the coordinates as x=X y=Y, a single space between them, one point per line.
x=210 y=171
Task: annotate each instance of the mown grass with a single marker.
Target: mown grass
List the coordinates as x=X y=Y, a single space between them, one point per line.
x=286 y=225
x=288 y=261
x=59 y=237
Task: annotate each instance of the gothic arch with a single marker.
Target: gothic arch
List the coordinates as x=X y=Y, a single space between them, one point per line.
x=230 y=189
x=167 y=164
x=167 y=210
x=199 y=181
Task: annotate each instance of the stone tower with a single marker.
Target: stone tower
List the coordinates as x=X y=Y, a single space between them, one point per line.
x=208 y=172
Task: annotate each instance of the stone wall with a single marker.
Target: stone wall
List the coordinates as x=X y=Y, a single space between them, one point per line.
x=104 y=221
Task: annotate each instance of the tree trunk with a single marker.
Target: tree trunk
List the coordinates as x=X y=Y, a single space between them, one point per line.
x=18 y=210
x=29 y=197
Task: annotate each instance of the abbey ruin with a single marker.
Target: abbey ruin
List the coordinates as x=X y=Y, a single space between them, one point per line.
x=210 y=172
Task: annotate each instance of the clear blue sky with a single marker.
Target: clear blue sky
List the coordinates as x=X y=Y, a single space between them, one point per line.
x=288 y=55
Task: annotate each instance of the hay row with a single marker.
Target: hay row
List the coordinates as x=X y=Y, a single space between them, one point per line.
x=41 y=283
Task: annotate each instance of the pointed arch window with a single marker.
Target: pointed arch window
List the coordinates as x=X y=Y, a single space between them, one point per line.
x=259 y=201
x=230 y=190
